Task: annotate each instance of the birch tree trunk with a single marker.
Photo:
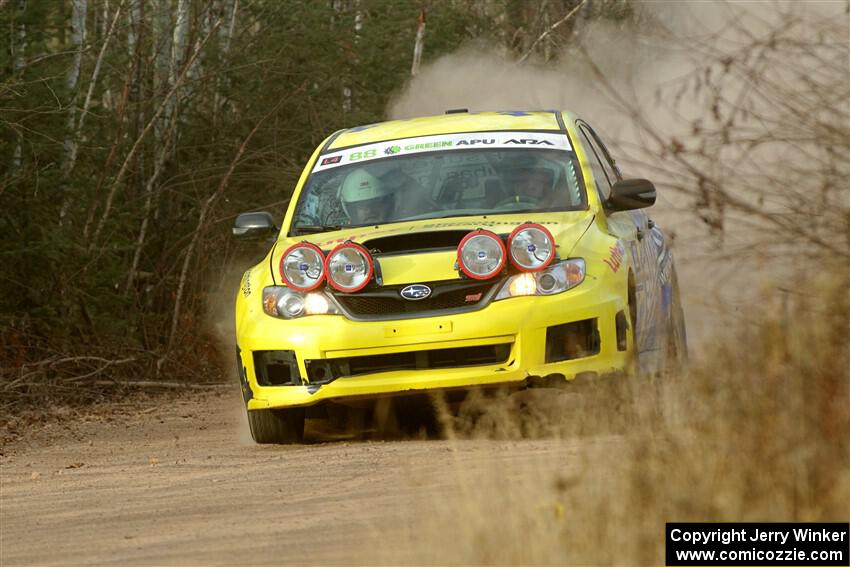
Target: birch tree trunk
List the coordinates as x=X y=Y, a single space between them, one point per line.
x=342 y=7
x=418 y=44
x=106 y=97
x=178 y=54
x=225 y=37
x=72 y=79
x=138 y=92
x=163 y=43
x=134 y=18
x=210 y=14
x=18 y=65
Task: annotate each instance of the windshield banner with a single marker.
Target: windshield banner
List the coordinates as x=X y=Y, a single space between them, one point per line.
x=465 y=141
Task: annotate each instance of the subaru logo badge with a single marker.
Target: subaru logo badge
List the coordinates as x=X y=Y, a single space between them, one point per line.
x=415 y=292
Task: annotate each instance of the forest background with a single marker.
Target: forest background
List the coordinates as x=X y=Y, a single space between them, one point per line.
x=132 y=133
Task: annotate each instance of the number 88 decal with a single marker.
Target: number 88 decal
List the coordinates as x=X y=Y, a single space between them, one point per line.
x=354 y=156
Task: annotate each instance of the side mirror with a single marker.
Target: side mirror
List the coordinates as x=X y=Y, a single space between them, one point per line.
x=631 y=194
x=254 y=226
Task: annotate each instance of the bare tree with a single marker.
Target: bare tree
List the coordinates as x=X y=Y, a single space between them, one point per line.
x=166 y=100
x=549 y=30
x=765 y=150
x=72 y=140
x=206 y=208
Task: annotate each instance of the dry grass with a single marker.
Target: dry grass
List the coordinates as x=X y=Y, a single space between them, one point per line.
x=756 y=430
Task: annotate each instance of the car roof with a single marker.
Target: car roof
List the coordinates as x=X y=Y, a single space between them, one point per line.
x=450 y=123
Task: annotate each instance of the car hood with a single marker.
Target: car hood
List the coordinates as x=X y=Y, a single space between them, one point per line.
x=426 y=250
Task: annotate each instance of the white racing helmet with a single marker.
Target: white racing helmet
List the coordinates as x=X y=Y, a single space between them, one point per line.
x=362 y=189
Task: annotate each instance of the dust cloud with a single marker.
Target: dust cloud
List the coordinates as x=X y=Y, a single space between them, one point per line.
x=664 y=42
x=705 y=448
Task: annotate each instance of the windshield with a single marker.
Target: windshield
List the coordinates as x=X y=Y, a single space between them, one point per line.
x=424 y=181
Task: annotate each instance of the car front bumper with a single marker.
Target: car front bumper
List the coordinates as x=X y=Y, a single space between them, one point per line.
x=520 y=322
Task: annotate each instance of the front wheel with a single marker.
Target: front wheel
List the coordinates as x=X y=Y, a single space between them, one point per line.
x=281 y=426
x=676 y=349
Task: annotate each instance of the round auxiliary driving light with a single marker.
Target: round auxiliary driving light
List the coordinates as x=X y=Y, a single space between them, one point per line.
x=532 y=247
x=481 y=254
x=349 y=267
x=302 y=266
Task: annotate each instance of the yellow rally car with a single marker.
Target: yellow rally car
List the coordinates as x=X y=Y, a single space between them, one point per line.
x=446 y=253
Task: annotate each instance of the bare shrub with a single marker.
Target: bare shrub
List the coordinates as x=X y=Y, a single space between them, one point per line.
x=755 y=131
x=756 y=431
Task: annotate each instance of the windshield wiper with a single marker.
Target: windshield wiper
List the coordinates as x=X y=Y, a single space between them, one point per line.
x=314 y=228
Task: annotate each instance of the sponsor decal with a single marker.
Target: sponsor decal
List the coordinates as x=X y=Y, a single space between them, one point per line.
x=246 y=284
x=415 y=292
x=331 y=160
x=367 y=154
x=617 y=252
x=429 y=146
x=657 y=236
x=637 y=256
x=445 y=142
x=530 y=142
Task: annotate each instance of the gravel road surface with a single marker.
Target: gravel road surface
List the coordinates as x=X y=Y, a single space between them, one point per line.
x=179 y=482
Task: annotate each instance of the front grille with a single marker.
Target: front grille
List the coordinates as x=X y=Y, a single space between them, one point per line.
x=388 y=303
x=324 y=371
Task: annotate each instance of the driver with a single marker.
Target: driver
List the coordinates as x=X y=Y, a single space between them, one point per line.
x=532 y=183
x=365 y=199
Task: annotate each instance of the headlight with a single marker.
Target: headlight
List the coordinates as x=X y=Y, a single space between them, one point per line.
x=554 y=279
x=302 y=266
x=279 y=301
x=349 y=267
x=531 y=247
x=481 y=254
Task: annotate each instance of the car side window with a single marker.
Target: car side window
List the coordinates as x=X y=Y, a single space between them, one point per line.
x=604 y=169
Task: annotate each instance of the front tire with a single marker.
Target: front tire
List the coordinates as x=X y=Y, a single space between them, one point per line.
x=676 y=349
x=281 y=426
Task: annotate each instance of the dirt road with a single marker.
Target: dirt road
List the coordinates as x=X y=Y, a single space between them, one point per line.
x=183 y=484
